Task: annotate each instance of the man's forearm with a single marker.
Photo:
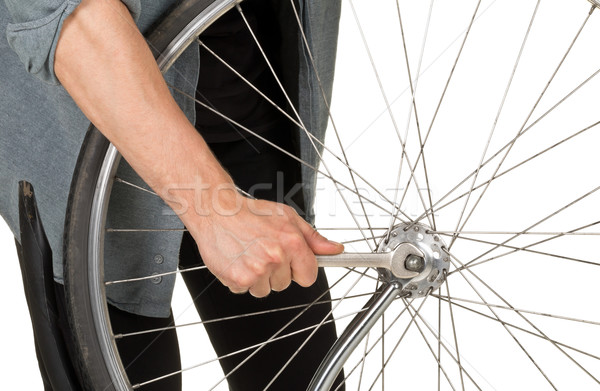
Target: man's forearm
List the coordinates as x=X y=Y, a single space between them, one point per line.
x=106 y=66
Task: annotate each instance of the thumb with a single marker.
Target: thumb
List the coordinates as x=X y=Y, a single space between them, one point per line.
x=317 y=242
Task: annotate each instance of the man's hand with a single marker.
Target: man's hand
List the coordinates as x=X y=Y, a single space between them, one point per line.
x=260 y=246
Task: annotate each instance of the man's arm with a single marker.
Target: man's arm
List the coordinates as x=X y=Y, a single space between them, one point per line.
x=106 y=66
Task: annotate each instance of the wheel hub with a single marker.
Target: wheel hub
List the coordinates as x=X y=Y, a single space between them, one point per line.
x=431 y=267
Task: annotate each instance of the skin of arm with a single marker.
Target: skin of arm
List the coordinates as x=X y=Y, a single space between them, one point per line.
x=104 y=63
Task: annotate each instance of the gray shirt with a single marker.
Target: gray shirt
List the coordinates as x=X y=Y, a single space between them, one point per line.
x=41 y=131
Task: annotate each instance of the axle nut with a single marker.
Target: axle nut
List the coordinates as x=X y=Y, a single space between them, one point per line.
x=414 y=263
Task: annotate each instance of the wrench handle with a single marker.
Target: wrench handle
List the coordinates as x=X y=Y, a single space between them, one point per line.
x=380 y=260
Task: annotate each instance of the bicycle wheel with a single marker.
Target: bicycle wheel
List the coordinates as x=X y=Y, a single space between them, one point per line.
x=448 y=130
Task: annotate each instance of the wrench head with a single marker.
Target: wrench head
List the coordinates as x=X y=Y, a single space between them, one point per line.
x=400 y=253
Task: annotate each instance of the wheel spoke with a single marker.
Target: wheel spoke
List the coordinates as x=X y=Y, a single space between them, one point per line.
x=362 y=360
x=246 y=315
x=153 y=276
x=287 y=363
x=302 y=127
x=382 y=351
x=120 y=180
x=491 y=134
x=533 y=226
x=125 y=230
x=511 y=142
x=438 y=357
x=333 y=124
x=362 y=365
x=348 y=229
x=254 y=347
x=593 y=126
x=406 y=89
x=439 y=338
x=435 y=114
x=413 y=108
x=392 y=118
x=342 y=159
x=491 y=309
x=410 y=323
x=435 y=335
x=273 y=338
x=454 y=303
x=364 y=355
x=527 y=248
x=314 y=302
x=529 y=233
x=541 y=333
x=529 y=115
x=315 y=169
x=361 y=239
x=462 y=382
x=363 y=273
x=454 y=299
x=277 y=334
x=535 y=327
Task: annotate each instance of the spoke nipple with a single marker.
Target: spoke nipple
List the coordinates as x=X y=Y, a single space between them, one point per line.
x=444 y=274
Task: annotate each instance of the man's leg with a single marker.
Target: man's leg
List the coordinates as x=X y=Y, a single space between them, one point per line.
x=147 y=356
x=251 y=165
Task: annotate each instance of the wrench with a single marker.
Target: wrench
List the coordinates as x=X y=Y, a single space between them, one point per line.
x=393 y=260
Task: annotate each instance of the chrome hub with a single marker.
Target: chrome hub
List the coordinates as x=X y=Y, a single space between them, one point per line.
x=431 y=266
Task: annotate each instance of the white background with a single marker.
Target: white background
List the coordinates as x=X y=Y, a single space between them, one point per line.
x=18 y=368
x=18 y=365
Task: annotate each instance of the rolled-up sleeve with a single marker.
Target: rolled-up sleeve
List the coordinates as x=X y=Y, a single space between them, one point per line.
x=36 y=26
